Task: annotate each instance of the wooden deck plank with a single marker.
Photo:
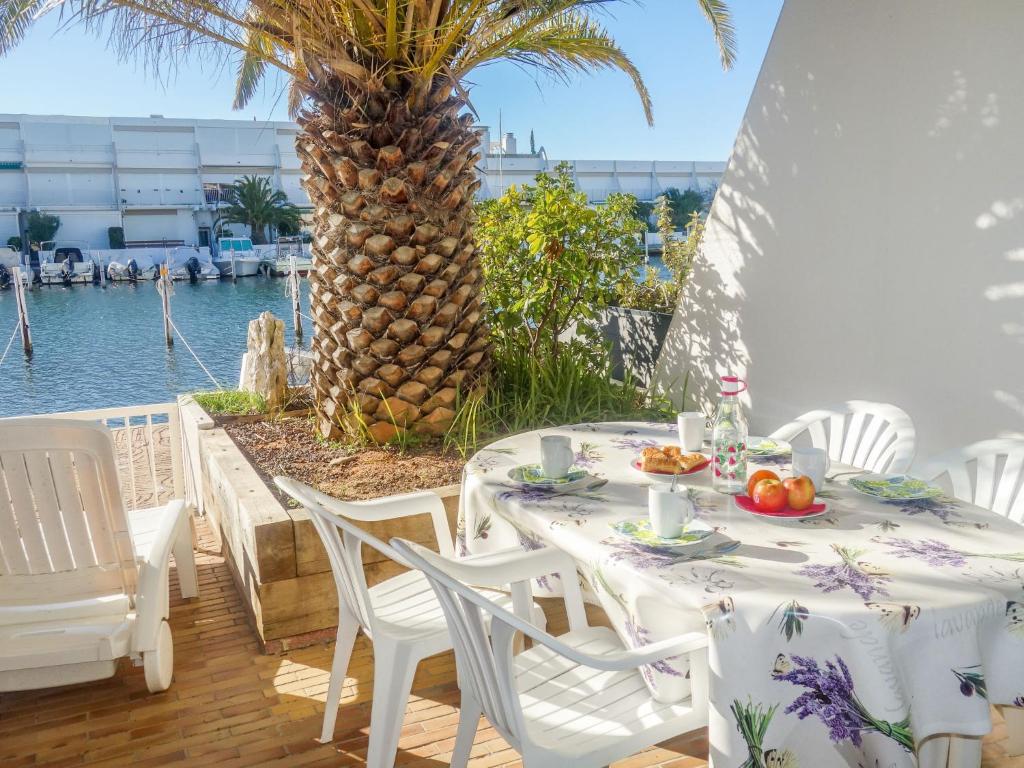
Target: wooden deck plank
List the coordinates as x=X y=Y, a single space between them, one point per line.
x=231 y=706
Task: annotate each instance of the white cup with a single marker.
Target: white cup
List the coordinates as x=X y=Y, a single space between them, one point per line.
x=691 y=430
x=813 y=462
x=669 y=511
x=556 y=456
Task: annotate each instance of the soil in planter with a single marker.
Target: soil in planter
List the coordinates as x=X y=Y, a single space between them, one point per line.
x=289 y=447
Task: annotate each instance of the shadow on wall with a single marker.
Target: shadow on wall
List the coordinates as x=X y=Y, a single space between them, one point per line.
x=867 y=239
x=705 y=339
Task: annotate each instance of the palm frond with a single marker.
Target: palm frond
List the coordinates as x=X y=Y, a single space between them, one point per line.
x=251 y=68
x=16 y=16
x=564 y=45
x=419 y=48
x=720 y=18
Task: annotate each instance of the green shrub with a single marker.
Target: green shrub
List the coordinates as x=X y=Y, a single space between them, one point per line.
x=551 y=262
x=15 y=243
x=116 y=237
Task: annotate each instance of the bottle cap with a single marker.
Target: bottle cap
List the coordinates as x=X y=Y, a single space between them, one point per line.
x=732 y=385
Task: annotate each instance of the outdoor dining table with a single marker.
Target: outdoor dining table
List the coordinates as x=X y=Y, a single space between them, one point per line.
x=839 y=640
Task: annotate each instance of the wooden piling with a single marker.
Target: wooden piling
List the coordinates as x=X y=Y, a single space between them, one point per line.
x=234 y=271
x=293 y=276
x=19 y=299
x=165 y=301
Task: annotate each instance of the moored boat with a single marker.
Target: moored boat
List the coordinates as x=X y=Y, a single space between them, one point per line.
x=136 y=269
x=236 y=256
x=191 y=264
x=67 y=263
x=289 y=248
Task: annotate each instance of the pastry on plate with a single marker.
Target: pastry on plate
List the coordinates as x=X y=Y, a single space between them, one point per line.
x=690 y=460
x=656 y=460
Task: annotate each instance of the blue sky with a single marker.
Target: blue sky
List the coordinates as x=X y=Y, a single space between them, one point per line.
x=697 y=106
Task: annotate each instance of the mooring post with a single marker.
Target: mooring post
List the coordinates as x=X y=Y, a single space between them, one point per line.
x=19 y=300
x=234 y=272
x=293 y=276
x=165 y=300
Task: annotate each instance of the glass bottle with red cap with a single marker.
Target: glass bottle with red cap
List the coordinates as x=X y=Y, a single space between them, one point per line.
x=729 y=439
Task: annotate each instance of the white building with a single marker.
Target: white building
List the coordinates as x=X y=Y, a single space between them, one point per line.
x=162 y=179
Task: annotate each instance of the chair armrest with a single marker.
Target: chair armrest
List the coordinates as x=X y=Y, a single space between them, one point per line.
x=617 y=661
x=153 y=589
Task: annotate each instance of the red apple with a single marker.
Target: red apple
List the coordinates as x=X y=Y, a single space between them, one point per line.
x=769 y=496
x=800 y=490
x=761 y=474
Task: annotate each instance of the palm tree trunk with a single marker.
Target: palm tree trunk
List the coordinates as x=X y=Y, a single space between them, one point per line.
x=398 y=325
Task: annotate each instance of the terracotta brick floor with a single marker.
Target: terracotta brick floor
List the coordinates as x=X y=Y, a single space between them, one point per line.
x=232 y=706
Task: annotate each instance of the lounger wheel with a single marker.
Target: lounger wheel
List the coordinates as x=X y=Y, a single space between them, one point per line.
x=159 y=663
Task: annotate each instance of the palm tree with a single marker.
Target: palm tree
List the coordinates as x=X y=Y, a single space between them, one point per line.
x=253 y=202
x=379 y=90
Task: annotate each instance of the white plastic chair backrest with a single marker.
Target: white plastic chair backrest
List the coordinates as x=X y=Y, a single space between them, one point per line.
x=989 y=474
x=64 y=533
x=874 y=436
x=343 y=541
x=486 y=666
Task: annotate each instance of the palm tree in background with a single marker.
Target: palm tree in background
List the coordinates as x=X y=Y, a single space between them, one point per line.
x=254 y=202
x=387 y=146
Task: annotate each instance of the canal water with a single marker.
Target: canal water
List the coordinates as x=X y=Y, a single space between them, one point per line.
x=99 y=347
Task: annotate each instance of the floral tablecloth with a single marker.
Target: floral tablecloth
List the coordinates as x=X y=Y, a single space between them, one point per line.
x=833 y=641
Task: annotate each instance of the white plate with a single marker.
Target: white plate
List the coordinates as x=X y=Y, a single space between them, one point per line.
x=638 y=530
x=665 y=477
x=582 y=480
x=893 y=487
x=767 y=447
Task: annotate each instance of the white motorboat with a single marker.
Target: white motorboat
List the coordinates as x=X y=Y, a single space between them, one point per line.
x=289 y=248
x=134 y=269
x=236 y=256
x=67 y=263
x=191 y=264
x=9 y=259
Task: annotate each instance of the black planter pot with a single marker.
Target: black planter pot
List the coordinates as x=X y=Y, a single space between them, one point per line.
x=636 y=337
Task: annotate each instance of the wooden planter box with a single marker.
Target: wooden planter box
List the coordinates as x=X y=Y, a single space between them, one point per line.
x=273 y=551
x=636 y=337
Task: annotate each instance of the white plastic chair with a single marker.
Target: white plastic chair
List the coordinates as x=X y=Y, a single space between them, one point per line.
x=400 y=615
x=576 y=700
x=877 y=437
x=77 y=593
x=989 y=474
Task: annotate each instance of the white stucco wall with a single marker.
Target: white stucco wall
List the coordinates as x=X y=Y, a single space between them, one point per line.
x=867 y=240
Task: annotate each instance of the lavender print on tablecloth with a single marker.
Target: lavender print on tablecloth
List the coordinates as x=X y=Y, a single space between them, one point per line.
x=930 y=551
x=830 y=696
x=642 y=557
x=938 y=553
x=587 y=456
x=633 y=444
x=863 y=578
x=942 y=507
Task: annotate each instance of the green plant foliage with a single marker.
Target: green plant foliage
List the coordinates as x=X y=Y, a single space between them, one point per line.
x=116 y=237
x=231 y=402
x=15 y=243
x=682 y=206
x=254 y=202
x=653 y=293
x=41 y=227
x=551 y=262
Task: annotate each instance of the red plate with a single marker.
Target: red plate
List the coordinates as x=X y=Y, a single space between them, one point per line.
x=698 y=468
x=747 y=505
